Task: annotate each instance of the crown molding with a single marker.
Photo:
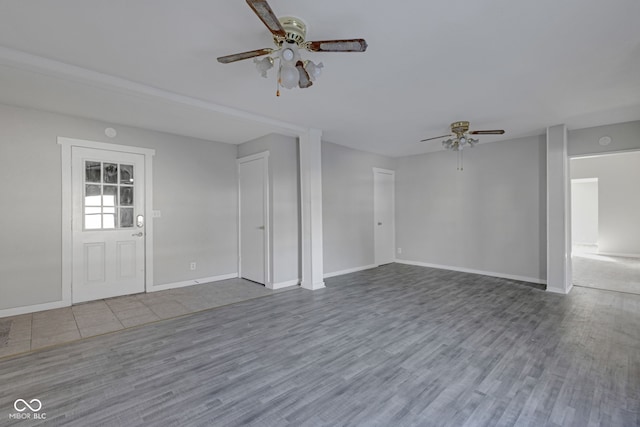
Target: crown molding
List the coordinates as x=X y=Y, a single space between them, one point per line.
x=28 y=62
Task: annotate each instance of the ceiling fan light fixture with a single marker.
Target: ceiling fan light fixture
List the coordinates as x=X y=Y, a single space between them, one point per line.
x=314 y=70
x=289 y=76
x=287 y=54
x=263 y=65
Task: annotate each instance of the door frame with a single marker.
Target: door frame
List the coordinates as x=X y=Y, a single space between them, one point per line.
x=568 y=237
x=393 y=213
x=67 y=208
x=267 y=226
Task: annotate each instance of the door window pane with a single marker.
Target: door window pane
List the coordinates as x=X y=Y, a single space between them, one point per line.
x=92 y=171
x=92 y=195
x=109 y=221
x=126 y=196
x=108 y=196
x=92 y=222
x=126 y=174
x=110 y=173
x=126 y=217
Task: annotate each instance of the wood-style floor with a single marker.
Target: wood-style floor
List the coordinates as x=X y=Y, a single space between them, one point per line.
x=394 y=346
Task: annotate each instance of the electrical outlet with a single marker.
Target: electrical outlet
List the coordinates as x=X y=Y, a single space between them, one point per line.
x=192 y=266
x=399 y=251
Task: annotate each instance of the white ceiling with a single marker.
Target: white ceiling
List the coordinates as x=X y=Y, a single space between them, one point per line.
x=520 y=66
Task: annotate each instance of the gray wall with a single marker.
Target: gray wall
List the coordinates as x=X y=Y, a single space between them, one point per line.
x=489 y=217
x=347 y=206
x=624 y=136
x=618 y=199
x=284 y=203
x=194 y=188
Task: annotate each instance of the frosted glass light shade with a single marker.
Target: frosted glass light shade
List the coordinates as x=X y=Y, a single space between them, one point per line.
x=314 y=70
x=287 y=54
x=289 y=77
x=263 y=65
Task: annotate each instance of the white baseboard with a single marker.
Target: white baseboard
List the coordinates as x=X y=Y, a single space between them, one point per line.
x=349 y=270
x=312 y=286
x=618 y=254
x=286 y=284
x=472 y=271
x=559 y=290
x=16 y=311
x=192 y=282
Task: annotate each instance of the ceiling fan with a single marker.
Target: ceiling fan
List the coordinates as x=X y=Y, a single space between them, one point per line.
x=459 y=138
x=289 y=36
x=460 y=130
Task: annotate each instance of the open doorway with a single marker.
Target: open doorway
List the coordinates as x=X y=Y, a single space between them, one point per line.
x=605 y=224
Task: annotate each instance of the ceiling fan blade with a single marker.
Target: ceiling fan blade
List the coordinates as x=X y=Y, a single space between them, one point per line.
x=304 y=81
x=435 y=137
x=266 y=15
x=487 y=132
x=350 y=45
x=244 y=55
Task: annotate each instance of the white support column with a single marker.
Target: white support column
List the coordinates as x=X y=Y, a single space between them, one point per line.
x=558 y=212
x=311 y=209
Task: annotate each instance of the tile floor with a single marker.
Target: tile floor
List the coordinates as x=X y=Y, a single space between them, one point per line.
x=27 y=332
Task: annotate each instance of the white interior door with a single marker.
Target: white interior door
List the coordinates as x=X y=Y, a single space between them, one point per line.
x=253 y=180
x=108 y=223
x=384 y=218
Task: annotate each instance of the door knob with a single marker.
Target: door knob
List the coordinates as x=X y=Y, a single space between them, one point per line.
x=137 y=234
x=379 y=223
x=261 y=227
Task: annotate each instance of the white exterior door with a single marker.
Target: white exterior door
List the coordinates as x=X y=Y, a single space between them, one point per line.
x=253 y=184
x=383 y=215
x=108 y=224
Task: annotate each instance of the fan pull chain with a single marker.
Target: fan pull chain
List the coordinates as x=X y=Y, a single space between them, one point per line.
x=278 y=80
